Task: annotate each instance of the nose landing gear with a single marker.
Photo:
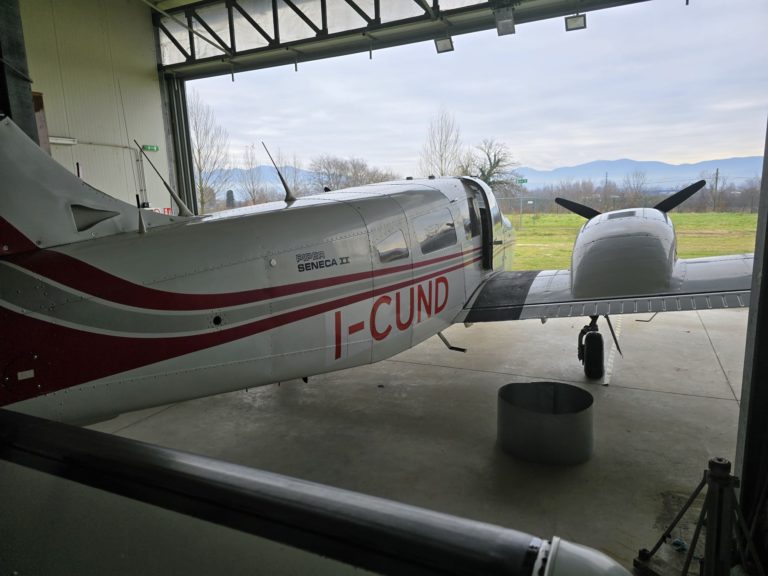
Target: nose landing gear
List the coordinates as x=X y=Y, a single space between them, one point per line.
x=591 y=351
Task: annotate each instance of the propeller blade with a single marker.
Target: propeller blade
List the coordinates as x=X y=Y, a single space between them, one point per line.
x=576 y=208
x=679 y=197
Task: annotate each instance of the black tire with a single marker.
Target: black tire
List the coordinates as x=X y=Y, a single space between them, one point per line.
x=594 y=367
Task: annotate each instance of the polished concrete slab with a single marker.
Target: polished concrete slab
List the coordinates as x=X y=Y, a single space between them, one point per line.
x=420 y=428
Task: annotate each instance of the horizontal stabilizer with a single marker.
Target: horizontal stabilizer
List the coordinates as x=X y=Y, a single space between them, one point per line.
x=42 y=204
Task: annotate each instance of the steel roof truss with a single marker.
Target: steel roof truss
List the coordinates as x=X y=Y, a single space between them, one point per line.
x=363 y=14
x=431 y=10
x=377 y=31
x=307 y=20
x=252 y=22
x=227 y=49
x=172 y=38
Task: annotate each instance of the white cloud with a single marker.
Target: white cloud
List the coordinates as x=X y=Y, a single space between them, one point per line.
x=655 y=80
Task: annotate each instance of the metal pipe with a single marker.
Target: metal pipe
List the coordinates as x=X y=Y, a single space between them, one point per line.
x=364 y=531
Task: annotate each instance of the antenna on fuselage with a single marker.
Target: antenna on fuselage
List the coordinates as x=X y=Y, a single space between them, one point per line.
x=289 y=197
x=183 y=210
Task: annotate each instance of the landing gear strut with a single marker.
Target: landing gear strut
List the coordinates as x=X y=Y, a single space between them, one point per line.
x=591 y=350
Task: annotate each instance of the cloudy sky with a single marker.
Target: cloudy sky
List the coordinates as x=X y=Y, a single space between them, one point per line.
x=657 y=80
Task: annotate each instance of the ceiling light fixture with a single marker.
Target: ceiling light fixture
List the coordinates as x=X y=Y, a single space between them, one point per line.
x=575 y=22
x=444 y=44
x=505 y=20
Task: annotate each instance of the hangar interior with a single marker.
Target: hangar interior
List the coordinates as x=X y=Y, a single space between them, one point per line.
x=85 y=78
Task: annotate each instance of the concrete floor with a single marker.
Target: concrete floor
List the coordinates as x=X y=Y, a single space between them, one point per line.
x=420 y=428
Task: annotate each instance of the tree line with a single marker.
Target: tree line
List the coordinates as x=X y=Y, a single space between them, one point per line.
x=718 y=195
x=219 y=185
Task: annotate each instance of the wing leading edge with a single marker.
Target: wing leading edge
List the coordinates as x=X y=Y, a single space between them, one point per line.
x=697 y=284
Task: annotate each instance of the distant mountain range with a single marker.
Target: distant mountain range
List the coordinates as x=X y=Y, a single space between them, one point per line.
x=660 y=175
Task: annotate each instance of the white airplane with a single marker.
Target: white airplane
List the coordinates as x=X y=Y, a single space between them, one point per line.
x=105 y=308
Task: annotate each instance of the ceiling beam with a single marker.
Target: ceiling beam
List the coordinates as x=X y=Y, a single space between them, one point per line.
x=473 y=18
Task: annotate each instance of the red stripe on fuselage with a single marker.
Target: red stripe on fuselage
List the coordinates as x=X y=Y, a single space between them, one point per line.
x=63 y=357
x=94 y=281
x=12 y=241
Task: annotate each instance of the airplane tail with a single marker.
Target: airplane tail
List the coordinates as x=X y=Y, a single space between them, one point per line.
x=42 y=204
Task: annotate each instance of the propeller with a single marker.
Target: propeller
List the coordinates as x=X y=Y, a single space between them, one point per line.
x=577 y=208
x=664 y=206
x=679 y=197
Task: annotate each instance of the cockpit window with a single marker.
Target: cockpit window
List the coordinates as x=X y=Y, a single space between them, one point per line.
x=392 y=248
x=435 y=231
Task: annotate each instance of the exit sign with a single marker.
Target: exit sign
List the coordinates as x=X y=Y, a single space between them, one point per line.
x=522 y=180
x=150 y=148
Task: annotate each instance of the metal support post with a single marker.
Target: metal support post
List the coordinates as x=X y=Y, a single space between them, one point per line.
x=724 y=525
x=752 y=437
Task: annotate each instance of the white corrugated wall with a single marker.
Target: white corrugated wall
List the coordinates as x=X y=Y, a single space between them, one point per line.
x=94 y=63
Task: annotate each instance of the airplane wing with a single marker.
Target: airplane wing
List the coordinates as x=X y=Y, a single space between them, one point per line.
x=697 y=284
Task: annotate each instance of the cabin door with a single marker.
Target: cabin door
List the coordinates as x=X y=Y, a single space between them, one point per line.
x=481 y=221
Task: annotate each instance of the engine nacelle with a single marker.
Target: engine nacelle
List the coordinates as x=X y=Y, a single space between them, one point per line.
x=562 y=558
x=624 y=252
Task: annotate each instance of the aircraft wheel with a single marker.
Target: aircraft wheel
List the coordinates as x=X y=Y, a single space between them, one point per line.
x=593 y=355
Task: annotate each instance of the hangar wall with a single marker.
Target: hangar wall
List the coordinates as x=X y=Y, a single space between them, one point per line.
x=94 y=62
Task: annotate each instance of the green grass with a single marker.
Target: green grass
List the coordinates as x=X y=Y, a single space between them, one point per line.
x=545 y=241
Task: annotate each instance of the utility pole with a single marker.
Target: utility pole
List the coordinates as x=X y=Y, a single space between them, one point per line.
x=714 y=190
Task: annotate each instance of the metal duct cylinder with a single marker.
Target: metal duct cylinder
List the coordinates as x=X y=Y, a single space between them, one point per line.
x=545 y=422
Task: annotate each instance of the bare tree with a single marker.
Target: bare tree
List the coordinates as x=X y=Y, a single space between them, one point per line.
x=210 y=152
x=360 y=173
x=379 y=175
x=442 y=152
x=750 y=194
x=492 y=162
x=336 y=173
x=206 y=197
x=716 y=190
x=291 y=170
x=251 y=186
x=329 y=171
x=635 y=187
x=609 y=195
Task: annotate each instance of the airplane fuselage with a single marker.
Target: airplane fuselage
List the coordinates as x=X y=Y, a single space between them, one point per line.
x=243 y=298
x=105 y=308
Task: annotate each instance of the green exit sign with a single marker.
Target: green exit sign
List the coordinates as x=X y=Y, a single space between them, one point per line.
x=522 y=180
x=150 y=148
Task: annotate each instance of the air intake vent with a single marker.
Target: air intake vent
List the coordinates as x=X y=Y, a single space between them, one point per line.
x=625 y=214
x=86 y=218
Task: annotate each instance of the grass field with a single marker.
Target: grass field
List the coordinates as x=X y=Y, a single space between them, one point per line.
x=544 y=241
